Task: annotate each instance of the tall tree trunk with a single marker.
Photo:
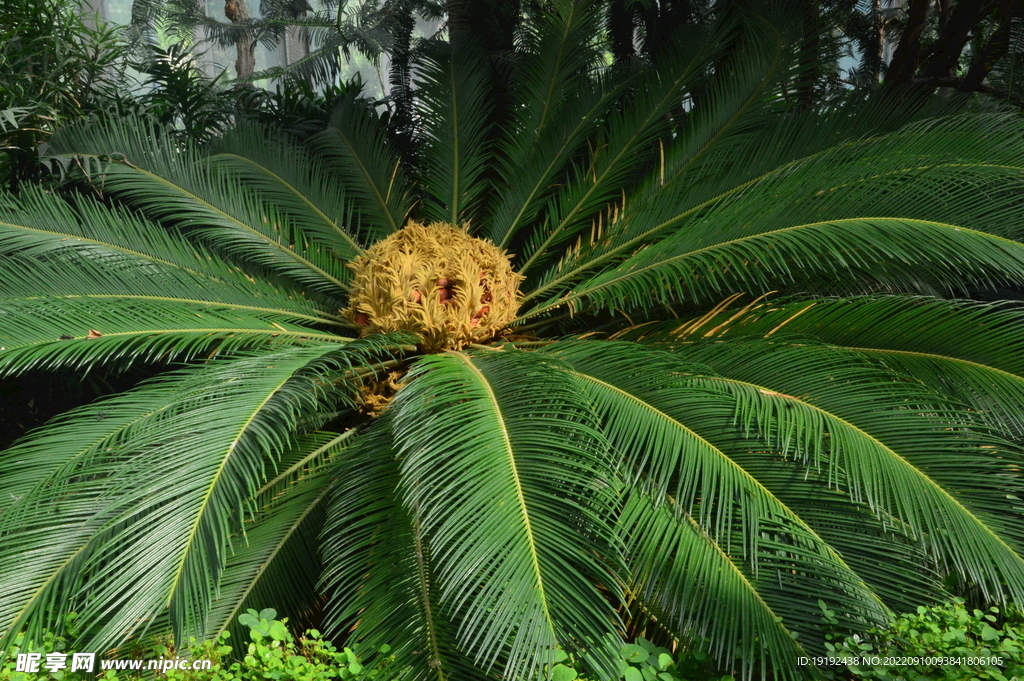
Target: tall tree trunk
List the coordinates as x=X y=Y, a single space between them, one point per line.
x=460 y=19
x=492 y=23
x=904 y=61
x=879 y=47
x=810 y=57
x=620 y=29
x=995 y=48
x=399 y=79
x=953 y=35
x=661 y=21
x=237 y=12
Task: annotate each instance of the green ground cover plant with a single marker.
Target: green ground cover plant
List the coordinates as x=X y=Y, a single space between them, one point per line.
x=272 y=653
x=947 y=642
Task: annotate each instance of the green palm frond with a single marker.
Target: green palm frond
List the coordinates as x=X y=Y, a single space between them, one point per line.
x=378 y=567
x=738 y=135
x=358 y=155
x=966 y=349
x=276 y=559
x=592 y=472
x=562 y=53
x=834 y=215
x=531 y=169
x=178 y=185
x=854 y=253
x=761 y=137
x=482 y=474
x=630 y=144
x=39 y=225
x=678 y=441
x=74 y=274
x=890 y=442
x=684 y=579
x=174 y=468
x=453 y=88
x=293 y=182
x=555 y=107
x=50 y=331
x=82 y=309
x=883 y=551
x=274 y=562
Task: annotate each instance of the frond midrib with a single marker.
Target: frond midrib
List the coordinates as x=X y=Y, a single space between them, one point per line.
x=303 y=461
x=215 y=478
x=939 y=357
x=896 y=455
x=381 y=201
x=263 y=237
x=572 y=296
x=640 y=238
x=539 y=251
x=237 y=331
x=326 y=319
x=424 y=588
x=750 y=588
x=302 y=197
x=138 y=254
x=743 y=472
x=520 y=496
x=270 y=559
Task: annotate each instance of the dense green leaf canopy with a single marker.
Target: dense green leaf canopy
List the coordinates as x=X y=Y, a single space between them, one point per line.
x=757 y=365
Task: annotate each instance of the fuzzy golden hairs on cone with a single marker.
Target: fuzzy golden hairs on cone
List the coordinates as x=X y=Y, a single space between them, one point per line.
x=436 y=281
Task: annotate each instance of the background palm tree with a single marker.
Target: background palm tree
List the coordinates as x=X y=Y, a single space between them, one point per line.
x=828 y=415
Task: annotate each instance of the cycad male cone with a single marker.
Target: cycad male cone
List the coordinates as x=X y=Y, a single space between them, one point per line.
x=436 y=281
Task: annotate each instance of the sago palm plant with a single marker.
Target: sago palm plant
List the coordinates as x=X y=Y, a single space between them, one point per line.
x=650 y=352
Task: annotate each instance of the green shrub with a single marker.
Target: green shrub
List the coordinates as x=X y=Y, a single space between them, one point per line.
x=974 y=645
x=273 y=654
x=57 y=68
x=644 y=661
x=51 y=643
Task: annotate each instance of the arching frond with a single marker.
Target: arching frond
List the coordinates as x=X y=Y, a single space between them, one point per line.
x=966 y=349
x=902 y=210
x=357 y=153
x=513 y=482
x=125 y=251
x=556 y=106
x=453 y=88
x=82 y=332
x=177 y=185
x=684 y=578
x=181 y=457
x=890 y=442
x=274 y=563
x=884 y=552
x=294 y=183
x=629 y=146
x=379 y=567
x=679 y=444
x=860 y=253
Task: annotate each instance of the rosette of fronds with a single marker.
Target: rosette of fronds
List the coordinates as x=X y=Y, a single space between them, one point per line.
x=750 y=361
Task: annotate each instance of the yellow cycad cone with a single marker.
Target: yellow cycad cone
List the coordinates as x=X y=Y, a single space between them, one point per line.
x=436 y=281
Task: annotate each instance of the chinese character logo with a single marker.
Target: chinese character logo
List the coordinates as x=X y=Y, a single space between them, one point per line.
x=28 y=662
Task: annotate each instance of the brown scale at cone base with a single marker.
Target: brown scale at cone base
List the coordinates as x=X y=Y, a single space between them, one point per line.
x=436 y=281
